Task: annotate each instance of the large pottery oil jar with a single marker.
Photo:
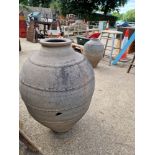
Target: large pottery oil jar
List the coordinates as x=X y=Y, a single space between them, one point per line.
x=57 y=84
x=93 y=50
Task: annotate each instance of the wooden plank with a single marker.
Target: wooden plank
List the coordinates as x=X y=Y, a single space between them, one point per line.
x=112 y=32
x=131 y=64
x=26 y=140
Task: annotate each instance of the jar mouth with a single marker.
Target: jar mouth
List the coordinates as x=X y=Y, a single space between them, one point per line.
x=54 y=42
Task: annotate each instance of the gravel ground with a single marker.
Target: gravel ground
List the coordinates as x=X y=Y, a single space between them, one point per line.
x=108 y=126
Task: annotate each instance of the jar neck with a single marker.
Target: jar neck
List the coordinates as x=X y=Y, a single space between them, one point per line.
x=55 y=47
x=56 y=51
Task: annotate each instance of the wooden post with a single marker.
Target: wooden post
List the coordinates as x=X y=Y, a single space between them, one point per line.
x=20 y=46
x=131 y=65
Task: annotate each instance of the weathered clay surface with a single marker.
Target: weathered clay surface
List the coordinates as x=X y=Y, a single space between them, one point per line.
x=57 y=85
x=93 y=50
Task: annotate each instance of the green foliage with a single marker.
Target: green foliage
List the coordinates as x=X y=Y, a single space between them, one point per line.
x=80 y=8
x=129 y=16
x=23 y=2
x=36 y=3
x=83 y=8
x=45 y=3
x=55 y=5
x=110 y=5
x=23 y=5
x=118 y=15
x=42 y=3
x=98 y=17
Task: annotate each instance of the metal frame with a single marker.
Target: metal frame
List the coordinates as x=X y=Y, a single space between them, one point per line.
x=114 y=33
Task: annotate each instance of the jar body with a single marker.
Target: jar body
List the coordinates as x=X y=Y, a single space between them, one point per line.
x=56 y=85
x=93 y=50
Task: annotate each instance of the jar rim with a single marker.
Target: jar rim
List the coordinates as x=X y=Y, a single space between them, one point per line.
x=95 y=39
x=54 y=42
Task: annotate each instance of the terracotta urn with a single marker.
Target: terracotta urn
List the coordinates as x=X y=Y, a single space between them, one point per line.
x=93 y=50
x=57 y=84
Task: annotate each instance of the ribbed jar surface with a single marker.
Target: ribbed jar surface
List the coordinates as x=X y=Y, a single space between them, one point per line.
x=57 y=84
x=93 y=50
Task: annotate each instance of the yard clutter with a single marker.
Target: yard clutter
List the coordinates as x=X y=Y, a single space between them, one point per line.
x=83 y=39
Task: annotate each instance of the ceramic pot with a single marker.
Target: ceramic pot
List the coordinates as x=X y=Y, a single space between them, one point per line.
x=57 y=84
x=93 y=50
